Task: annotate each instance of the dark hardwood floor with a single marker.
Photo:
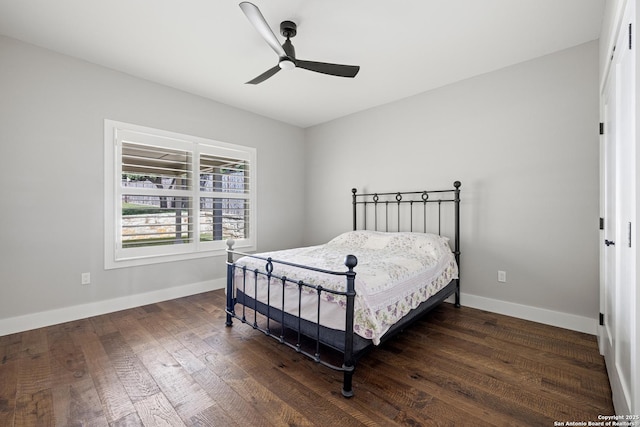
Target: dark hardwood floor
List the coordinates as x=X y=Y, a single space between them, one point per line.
x=175 y=363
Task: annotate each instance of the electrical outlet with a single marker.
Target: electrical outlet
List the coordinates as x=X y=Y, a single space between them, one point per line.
x=502 y=276
x=86 y=278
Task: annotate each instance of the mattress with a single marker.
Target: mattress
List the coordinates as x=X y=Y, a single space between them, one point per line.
x=395 y=273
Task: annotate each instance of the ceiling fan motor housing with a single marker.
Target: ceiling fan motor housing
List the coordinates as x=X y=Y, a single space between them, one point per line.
x=288 y=29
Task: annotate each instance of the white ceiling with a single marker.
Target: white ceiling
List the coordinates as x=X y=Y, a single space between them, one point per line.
x=209 y=48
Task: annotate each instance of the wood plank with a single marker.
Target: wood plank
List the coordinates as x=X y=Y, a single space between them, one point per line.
x=10 y=347
x=227 y=400
x=103 y=325
x=189 y=361
x=78 y=404
x=134 y=333
x=35 y=341
x=214 y=416
x=67 y=359
x=157 y=411
x=184 y=393
x=34 y=370
x=113 y=396
x=35 y=409
x=131 y=372
x=130 y=420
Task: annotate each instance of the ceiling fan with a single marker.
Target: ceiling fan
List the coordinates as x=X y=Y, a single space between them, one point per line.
x=286 y=52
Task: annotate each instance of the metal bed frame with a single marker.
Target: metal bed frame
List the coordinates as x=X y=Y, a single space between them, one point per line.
x=291 y=330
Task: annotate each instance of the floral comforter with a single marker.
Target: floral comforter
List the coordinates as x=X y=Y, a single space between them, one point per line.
x=395 y=273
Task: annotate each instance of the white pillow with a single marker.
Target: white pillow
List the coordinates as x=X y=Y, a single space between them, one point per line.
x=426 y=243
x=377 y=241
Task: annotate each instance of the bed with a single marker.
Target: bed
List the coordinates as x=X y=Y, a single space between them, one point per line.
x=362 y=287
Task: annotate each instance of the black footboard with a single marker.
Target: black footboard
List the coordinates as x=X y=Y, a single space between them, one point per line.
x=344 y=341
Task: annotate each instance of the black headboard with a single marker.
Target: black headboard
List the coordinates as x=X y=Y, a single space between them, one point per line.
x=417 y=211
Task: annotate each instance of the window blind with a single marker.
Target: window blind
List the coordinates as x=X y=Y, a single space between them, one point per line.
x=171 y=196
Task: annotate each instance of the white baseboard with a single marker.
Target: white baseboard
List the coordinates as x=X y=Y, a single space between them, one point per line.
x=53 y=317
x=535 y=314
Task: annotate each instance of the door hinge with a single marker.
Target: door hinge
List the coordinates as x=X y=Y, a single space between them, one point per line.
x=601 y=128
x=601 y=223
x=630 y=35
x=601 y=319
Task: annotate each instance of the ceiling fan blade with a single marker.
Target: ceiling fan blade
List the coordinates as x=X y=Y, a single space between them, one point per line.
x=331 y=69
x=260 y=24
x=264 y=76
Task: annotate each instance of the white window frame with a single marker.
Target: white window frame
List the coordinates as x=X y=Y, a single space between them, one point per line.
x=115 y=255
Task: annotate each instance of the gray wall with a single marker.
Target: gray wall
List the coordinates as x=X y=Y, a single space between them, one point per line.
x=523 y=140
x=52 y=111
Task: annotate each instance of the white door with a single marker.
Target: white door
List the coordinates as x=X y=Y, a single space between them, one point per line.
x=609 y=250
x=619 y=279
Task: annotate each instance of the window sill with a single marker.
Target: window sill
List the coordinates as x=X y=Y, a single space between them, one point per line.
x=111 y=264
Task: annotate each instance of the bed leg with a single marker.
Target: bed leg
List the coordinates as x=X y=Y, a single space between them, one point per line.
x=347 y=385
x=230 y=303
x=457 y=304
x=229 y=310
x=230 y=267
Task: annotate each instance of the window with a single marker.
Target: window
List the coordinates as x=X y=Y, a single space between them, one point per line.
x=171 y=196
